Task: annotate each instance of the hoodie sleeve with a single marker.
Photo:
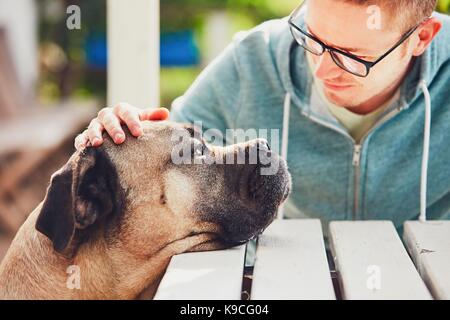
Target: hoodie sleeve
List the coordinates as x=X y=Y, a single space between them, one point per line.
x=213 y=98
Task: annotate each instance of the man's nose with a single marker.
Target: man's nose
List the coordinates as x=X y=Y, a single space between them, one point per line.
x=326 y=68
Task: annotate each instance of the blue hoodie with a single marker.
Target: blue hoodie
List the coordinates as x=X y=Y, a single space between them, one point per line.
x=262 y=80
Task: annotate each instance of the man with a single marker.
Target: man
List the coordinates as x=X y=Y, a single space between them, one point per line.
x=352 y=76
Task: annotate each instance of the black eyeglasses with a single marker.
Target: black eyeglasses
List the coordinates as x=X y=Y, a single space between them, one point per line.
x=344 y=60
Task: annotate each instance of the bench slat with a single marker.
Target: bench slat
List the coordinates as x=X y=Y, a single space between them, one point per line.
x=372 y=262
x=429 y=245
x=291 y=262
x=210 y=275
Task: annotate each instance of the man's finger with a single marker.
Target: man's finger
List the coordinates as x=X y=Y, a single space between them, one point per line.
x=154 y=114
x=94 y=133
x=130 y=116
x=81 y=140
x=111 y=123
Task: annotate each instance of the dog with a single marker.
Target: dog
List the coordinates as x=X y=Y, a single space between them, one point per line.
x=116 y=214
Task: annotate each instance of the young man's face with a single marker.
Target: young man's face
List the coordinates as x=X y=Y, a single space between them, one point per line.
x=345 y=25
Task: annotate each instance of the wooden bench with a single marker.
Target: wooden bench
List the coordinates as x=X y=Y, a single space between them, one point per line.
x=368 y=261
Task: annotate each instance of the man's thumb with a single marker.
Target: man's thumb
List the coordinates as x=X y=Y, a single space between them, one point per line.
x=154 y=114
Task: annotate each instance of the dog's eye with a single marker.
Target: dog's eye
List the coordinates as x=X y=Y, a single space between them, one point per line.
x=198 y=151
x=162 y=199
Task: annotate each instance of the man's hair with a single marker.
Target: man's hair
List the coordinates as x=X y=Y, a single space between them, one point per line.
x=407 y=13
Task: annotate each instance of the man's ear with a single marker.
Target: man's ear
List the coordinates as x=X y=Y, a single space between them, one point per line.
x=427 y=33
x=81 y=194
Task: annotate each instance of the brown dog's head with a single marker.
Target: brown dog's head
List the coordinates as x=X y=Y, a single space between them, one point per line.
x=137 y=194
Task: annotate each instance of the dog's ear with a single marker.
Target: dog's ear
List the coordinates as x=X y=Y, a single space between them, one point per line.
x=56 y=219
x=82 y=194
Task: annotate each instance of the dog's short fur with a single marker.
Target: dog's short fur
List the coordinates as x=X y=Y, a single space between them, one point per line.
x=120 y=212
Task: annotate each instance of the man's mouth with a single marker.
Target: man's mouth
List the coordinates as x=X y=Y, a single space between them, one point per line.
x=335 y=86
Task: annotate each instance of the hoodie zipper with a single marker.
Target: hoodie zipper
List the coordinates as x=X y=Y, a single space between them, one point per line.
x=357 y=149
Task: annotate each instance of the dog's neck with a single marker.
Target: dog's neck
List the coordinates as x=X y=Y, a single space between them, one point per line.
x=94 y=272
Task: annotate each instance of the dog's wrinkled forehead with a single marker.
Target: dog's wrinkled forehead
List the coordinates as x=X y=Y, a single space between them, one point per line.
x=149 y=149
x=155 y=134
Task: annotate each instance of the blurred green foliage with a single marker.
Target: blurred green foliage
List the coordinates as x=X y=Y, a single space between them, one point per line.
x=63 y=69
x=182 y=14
x=444 y=6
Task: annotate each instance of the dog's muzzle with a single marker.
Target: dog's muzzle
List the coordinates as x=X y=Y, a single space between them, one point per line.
x=259 y=188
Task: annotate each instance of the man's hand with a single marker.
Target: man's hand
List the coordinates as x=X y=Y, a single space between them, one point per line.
x=111 y=119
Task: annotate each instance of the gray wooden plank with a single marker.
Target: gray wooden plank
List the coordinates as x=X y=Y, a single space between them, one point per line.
x=429 y=245
x=372 y=262
x=291 y=262
x=209 y=275
x=26 y=132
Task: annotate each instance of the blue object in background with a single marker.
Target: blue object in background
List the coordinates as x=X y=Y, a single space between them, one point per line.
x=178 y=49
x=96 y=51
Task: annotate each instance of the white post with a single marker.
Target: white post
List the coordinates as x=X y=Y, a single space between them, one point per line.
x=19 y=18
x=133 y=52
x=218 y=36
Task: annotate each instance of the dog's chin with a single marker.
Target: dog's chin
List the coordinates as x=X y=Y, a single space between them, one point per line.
x=241 y=224
x=219 y=242
x=269 y=208
x=213 y=244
